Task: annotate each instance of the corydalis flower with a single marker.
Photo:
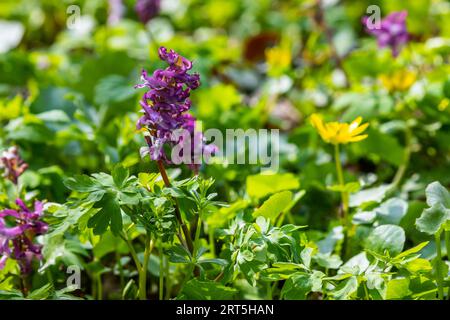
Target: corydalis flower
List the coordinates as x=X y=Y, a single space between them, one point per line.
x=391 y=32
x=147 y=9
x=12 y=164
x=18 y=229
x=166 y=103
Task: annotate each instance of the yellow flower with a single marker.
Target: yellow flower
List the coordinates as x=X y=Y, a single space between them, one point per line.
x=339 y=133
x=400 y=80
x=278 y=60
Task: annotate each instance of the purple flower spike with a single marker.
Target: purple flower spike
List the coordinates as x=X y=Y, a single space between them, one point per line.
x=166 y=102
x=147 y=9
x=18 y=232
x=391 y=32
x=12 y=164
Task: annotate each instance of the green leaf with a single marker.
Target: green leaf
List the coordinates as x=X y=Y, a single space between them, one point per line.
x=386 y=237
x=328 y=261
x=419 y=265
x=398 y=289
x=345 y=289
x=392 y=211
x=53 y=116
x=130 y=291
x=350 y=187
x=306 y=256
x=109 y=243
x=109 y=215
x=299 y=286
x=221 y=217
x=206 y=290
x=432 y=219
x=356 y=265
x=113 y=89
x=11 y=295
x=375 y=194
x=120 y=175
x=273 y=206
x=220 y=262
x=282 y=270
x=81 y=183
x=179 y=254
x=58 y=248
x=376 y=144
x=436 y=194
x=262 y=185
x=413 y=250
x=42 y=293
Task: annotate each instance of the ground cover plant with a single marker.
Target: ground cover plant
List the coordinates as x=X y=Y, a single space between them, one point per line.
x=224 y=149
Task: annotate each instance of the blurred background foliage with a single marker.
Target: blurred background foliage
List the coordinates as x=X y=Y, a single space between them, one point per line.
x=67 y=97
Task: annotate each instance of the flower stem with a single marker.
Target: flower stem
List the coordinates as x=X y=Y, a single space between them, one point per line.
x=439 y=279
x=132 y=251
x=24 y=285
x=168 y=278
x=143 y=271
x=197 y=237
x=100 y=287
x=447 y=246
x=340 y=175
x=162 y=171
x=345 y=201
x=185 y=229
x=212 y=244
x=120 y=267
x=161 y=271
x=269 y=291
x=192 y=269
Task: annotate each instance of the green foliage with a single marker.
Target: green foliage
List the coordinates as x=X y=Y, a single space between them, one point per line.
x=139 y=229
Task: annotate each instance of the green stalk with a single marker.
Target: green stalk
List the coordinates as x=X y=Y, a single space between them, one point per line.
x=212 y=246
x=366 y=291
x=447 y=246
x=269 y=291
x=344 y=194
x=143 y=270
x=100 y=287
x=161 y=271
x=168 y=278
x=121 y=275
x=345 y=202
x=124 y=236
x=447 y=243
x=439 y=279
x=195 y=250
x=187 y=241
x=197 y=237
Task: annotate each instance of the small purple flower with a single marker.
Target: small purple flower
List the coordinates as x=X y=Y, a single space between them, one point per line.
x=12 y=164
x=116 y=11
x=392 y=31
x=147 y=9
x=18 y=229
x=166 y=102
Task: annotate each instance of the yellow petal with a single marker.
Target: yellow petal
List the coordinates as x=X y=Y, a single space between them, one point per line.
x=360 y=129
x=358 y=138
x=355 y=124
